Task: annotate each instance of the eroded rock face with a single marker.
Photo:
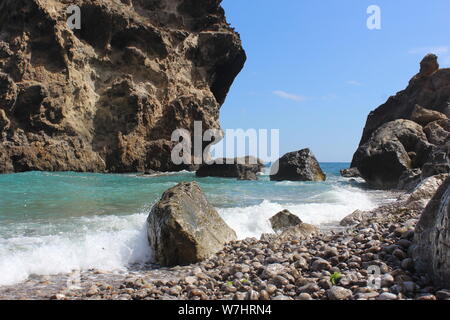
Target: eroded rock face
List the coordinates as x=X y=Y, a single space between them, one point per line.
x=431 y=249
x=283 y=220
x=107 y=97
x=426 y=102
x=246 y=168
x=395 y=148
x=424 y=116
x=183 y=228
x=297 y=166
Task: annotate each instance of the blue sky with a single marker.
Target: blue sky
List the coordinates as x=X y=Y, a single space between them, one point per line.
x=315 y=70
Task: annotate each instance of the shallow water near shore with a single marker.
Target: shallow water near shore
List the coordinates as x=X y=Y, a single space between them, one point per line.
x=54 y=223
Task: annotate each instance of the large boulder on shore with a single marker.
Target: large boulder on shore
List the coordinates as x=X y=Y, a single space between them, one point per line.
x=283 y=220
x=245 y=168
x=431 y=250
x=393 y=149
x=297 y=166
x=183 y=228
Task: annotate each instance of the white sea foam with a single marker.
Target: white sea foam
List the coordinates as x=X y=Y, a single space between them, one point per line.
x=104 y=242
x=327 y=207
x=112 y=243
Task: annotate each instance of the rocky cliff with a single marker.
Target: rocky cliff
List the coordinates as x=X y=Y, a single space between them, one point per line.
x=106 y=97
x=409 y=135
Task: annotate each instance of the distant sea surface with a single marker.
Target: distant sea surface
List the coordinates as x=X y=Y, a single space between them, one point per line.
x=54 y=223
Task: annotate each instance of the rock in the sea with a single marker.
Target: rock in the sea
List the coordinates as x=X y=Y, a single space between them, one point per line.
x=283 y=220
x=350 y=173
x=246 y=168
x=431 y=249
x=183 y=228
x=297 y=166
x=395 y=148
x=108 y=96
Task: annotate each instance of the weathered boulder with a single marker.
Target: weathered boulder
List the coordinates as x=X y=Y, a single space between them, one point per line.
x=107 y=97
x=283 y=220
x=297 y=166
x=350 y=173
x=431 y=250
x=183 y=228
x=245 y=168
x=393 y=149
x=300 y=231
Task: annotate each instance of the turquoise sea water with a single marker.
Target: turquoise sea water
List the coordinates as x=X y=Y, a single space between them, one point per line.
x=57 y=222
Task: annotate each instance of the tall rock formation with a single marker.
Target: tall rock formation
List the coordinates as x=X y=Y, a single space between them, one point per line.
x=410 y=133
x=108 y=96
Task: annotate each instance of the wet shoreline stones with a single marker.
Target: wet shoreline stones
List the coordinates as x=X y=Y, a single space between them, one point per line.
x=334 y=265
x=370 y=259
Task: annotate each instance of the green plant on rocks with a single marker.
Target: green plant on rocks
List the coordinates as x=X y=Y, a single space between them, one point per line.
x=335 y=277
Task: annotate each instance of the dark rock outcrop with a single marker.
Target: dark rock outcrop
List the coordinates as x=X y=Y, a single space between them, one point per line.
x=431 y=250
x=107 y=97
x=246 y=168
x=183 y=228
x=395 y=148
x=350 y=173
x=426 y=102
x=297 y=166
x=283 y=220
x=428 y=89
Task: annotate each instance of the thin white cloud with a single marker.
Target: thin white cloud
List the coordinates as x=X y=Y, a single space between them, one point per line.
x=289 y=96
x=354 y=83
x=446 y=61
x=438 y=50
x=443 y=52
